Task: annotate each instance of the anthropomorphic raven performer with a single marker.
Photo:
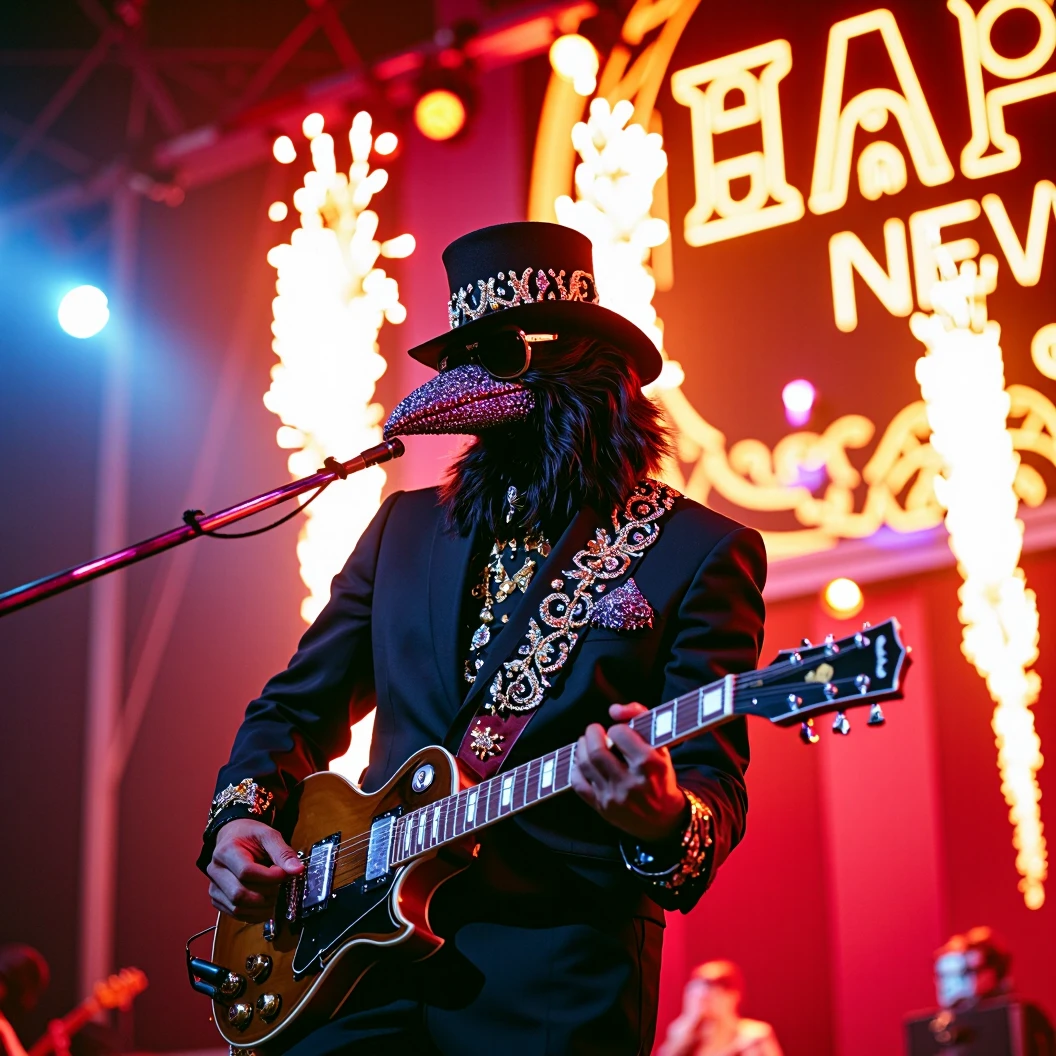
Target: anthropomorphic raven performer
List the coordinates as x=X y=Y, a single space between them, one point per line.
x=548 y=592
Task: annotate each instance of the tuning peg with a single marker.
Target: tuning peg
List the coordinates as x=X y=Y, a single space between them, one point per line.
x=830 y=645
x=861 y=640
x=807 y=734
x=862 y=683
x=806 y=643
x=876 y=716
x=841 y=724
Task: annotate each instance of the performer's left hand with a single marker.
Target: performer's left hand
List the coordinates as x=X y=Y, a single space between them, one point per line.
x=631 y=785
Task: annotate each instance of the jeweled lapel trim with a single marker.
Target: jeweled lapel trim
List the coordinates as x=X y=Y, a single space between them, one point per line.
x=521 y=683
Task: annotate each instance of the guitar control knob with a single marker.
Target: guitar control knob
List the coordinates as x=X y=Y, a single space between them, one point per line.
x=268 y=1006
x=238 y=1016
x=232 y=985
x=876 y=716
x=807 y=734
x=841 y=724
x=258 y=967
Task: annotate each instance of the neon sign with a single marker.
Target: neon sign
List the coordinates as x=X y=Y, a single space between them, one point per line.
x=744 y=183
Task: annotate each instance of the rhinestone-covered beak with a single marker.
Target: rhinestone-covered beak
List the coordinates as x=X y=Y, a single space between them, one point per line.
x=465 y=399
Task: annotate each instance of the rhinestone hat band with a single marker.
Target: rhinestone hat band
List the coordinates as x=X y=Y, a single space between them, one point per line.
x=506 y=290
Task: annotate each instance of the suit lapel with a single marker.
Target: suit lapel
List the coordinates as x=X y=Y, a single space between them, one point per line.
x=448 y=571
x=505 y=642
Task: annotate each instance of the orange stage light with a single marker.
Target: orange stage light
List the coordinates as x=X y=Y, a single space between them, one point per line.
x=440 y=114
x=842 y=597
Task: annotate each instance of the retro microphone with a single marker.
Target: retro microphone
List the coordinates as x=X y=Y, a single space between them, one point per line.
x=196 y=523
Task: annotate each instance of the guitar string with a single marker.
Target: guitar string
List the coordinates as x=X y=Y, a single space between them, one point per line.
x=348 y=849
x=772 y=692
x=764 y=679
x=769 y=694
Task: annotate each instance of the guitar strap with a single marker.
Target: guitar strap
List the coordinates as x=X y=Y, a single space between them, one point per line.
x=577 y=600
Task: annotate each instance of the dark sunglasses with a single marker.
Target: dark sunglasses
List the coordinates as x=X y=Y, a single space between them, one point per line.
x=505 y=354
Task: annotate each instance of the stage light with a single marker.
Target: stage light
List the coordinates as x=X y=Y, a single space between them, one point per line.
x=574 y=58
x=386 y=143
x=284 y=150
x=83 y=312
x=278 y=211
x=312 y=125
x=440 y=114
x=843 y=598
x=798 y=397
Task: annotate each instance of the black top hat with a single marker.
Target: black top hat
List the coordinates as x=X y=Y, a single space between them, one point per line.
x=537 y=277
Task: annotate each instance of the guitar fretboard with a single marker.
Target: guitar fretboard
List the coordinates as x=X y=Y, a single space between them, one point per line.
x=473 y=808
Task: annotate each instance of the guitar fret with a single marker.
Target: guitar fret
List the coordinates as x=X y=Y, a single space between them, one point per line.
x=531 y=783
x=546 y=774
x=663 y=725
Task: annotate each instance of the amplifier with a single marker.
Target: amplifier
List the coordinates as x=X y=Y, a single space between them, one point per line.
x=994 y=1028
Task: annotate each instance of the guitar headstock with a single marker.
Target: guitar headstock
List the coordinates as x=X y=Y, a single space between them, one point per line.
x=838 y=674
x=119 y=990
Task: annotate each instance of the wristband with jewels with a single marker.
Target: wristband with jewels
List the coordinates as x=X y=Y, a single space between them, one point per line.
x=696 y=839
x=247 y=793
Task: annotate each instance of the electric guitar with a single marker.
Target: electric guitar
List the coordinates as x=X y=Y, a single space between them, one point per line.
x=373 y=861
x=118 y=991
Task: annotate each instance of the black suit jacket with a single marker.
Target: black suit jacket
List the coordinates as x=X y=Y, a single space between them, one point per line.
x=391 y=635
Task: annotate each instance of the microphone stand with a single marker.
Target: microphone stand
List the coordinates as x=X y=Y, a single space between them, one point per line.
x=195 y=524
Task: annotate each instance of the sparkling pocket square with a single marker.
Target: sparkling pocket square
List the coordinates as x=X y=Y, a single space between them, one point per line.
x=625 y=609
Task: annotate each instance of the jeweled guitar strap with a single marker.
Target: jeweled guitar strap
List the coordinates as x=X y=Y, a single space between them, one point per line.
x=522 y=681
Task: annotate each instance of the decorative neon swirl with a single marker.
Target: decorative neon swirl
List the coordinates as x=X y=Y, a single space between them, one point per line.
x=331 y=303
x=962 y=380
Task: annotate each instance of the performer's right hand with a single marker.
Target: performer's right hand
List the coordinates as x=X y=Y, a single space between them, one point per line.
x=249 y=863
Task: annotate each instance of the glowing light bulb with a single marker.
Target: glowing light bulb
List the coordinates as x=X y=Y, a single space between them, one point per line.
x=386 y=143
x=312 y=125
x=284 y=150
x=574 y=58
x=278 y=211
x=798 y=397
x=84 y=311
x=440 y=114
x=843 y=598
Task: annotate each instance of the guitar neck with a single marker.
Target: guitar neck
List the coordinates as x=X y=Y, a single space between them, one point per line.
x=454 y=817
x=71 y=1023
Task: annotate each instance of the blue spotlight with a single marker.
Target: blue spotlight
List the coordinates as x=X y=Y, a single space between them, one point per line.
x=83 y=312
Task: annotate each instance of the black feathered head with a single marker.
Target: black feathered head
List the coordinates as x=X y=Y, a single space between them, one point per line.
x=572 y=428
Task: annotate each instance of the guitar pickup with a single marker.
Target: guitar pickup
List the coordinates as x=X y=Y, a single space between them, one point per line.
x=378 y=849
x=319 y=875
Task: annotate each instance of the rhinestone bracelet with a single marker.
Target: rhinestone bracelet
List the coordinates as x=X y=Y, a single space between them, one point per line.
x=696 y=839
x=247 y=793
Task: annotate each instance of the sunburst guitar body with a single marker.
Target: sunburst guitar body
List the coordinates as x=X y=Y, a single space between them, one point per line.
x=373 y=861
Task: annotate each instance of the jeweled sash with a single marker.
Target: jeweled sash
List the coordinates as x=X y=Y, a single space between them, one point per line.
x=519 y=686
